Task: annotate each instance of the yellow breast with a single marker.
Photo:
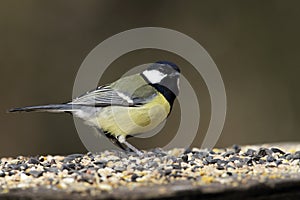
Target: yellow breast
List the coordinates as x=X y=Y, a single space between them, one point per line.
x=120 y=120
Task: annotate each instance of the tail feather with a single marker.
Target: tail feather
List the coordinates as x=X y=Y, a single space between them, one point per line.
x=46 y=108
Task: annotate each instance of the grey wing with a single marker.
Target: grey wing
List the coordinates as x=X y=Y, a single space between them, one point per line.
x=106 y=96
x=103 y=96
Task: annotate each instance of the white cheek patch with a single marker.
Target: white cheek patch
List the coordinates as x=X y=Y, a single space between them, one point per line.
x=154 y=76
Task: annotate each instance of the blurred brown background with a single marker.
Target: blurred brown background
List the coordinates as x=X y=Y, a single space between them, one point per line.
x=254 y=44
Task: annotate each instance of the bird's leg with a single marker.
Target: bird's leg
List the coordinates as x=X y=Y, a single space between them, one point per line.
x=122 y=140
x=116 y=142
x=113 y=139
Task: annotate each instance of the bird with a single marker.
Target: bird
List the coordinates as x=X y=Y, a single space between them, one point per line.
x=131 y=105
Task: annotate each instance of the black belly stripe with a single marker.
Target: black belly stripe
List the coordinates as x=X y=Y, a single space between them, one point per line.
x=166 y=92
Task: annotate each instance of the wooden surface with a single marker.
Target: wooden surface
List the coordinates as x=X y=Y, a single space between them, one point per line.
x=273 y=190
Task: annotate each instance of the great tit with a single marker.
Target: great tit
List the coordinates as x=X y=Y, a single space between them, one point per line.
x=131 y=105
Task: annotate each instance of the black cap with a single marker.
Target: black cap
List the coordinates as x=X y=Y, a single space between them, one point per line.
x=173 y=65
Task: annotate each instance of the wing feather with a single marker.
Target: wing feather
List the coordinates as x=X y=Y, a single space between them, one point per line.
x=103 y=96
x=129 y=91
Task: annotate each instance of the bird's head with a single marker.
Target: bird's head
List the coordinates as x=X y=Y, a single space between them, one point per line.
x=163 y=73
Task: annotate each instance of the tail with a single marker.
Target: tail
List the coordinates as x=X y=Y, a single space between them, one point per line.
x=47 y=108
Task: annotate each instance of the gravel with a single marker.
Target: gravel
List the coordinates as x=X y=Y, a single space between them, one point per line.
x=95 y=174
